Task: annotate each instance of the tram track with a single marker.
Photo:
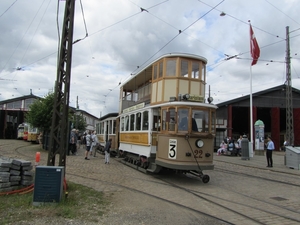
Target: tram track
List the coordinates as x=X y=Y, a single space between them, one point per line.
x=239 y=208
x=235 y=210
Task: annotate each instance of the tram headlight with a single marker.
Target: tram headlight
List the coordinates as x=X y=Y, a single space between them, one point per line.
x=199 y=143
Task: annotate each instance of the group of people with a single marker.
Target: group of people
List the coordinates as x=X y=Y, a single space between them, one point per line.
x=230 y=145
x=90 y=141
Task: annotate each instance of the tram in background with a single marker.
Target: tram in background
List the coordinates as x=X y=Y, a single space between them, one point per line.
x=106 y=129
x=22 y=128
x=33 y=134
x=164 y=121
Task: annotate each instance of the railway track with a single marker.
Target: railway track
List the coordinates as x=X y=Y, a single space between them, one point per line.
x=215 y=201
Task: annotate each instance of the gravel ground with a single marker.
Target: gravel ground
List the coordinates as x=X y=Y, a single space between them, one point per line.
x=126 y=207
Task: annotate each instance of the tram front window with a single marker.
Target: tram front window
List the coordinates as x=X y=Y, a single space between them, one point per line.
x=201 y=119
x=183 y=119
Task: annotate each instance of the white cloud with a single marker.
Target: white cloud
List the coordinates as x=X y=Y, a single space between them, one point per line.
x=121 y=37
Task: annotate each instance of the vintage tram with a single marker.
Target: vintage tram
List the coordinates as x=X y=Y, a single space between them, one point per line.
x=164 y=120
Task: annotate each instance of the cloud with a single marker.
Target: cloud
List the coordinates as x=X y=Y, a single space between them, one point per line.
x=122 y=37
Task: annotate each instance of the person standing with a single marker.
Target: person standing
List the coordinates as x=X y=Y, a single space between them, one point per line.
x=107 y=151
x=270 y=149
x=88 y=145
x=94 y=143
x=73 y=141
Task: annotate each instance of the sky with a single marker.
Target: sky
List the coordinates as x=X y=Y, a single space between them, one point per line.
x=117 y=36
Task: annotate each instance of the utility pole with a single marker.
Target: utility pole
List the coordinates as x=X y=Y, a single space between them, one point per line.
x=289 y=93
x=59 y=130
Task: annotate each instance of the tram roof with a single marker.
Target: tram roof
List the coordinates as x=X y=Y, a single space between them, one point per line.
x=148 y=76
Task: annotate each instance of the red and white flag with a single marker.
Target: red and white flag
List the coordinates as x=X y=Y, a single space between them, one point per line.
x=254 y=48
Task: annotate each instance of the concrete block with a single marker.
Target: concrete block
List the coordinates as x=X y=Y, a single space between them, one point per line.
x=5 y=185
x=15 y=172
x=4 y=179
x=5 y=163
x=4 y=174
x=15 y=167
x=21 y=162
x=28 y=173
x=4 y=169
x=26 y=168
x=14 y=178
x=26 y=182
x=27 y=177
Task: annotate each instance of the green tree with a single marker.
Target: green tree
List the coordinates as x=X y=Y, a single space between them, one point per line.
x=78 y=122
x=40 y=113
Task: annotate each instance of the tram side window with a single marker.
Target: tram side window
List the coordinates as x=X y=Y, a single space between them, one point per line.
x=213 y=122
x=183 y=119
x=102 y=127
x=155 y=72
x=171 y=118
x=171 y=68
x=203 y=72
x=160 y=70
x=164 y=117
x=132 y=122
x=195 y=70
x=184 y=68
x=126 y=123
x=145 y=120
x=138 y=121
x=122 y=124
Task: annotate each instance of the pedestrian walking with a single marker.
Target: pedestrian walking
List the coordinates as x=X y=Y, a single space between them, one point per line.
x=107 y=151
x=270 y=149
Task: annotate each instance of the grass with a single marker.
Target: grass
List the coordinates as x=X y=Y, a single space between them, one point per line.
x=81 y=203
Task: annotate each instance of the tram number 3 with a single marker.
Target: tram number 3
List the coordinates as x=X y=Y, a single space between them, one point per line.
x=172 y=148
x=198 y=153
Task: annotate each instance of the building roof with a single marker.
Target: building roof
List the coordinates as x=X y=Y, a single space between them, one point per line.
x=256 y=94
x=19 y=99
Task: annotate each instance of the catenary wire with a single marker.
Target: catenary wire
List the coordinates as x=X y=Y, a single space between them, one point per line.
x=8 y=8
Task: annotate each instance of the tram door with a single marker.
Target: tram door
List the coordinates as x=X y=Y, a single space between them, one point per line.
x=155 y=128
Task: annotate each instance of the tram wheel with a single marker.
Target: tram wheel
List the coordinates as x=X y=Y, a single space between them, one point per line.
x=205 y=179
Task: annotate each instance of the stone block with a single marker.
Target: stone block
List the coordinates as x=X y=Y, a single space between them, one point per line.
x=5 y=185
x=14 y=178
x=4 y=169
x=26 y=168
x=4 y=179
x=26 y=182
x=5 y=163
x=28 y=173
x=15 y=167
x=21 y=162
x=27 y=177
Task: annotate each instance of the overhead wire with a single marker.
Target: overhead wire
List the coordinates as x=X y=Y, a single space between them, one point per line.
x=13 y=52
x=8 y=8
x=179 y=32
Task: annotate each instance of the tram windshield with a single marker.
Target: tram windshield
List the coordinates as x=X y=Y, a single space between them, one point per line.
x=186 y=119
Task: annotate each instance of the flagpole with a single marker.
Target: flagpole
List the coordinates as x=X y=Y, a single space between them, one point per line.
x=251 y=117
x=255 y=53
